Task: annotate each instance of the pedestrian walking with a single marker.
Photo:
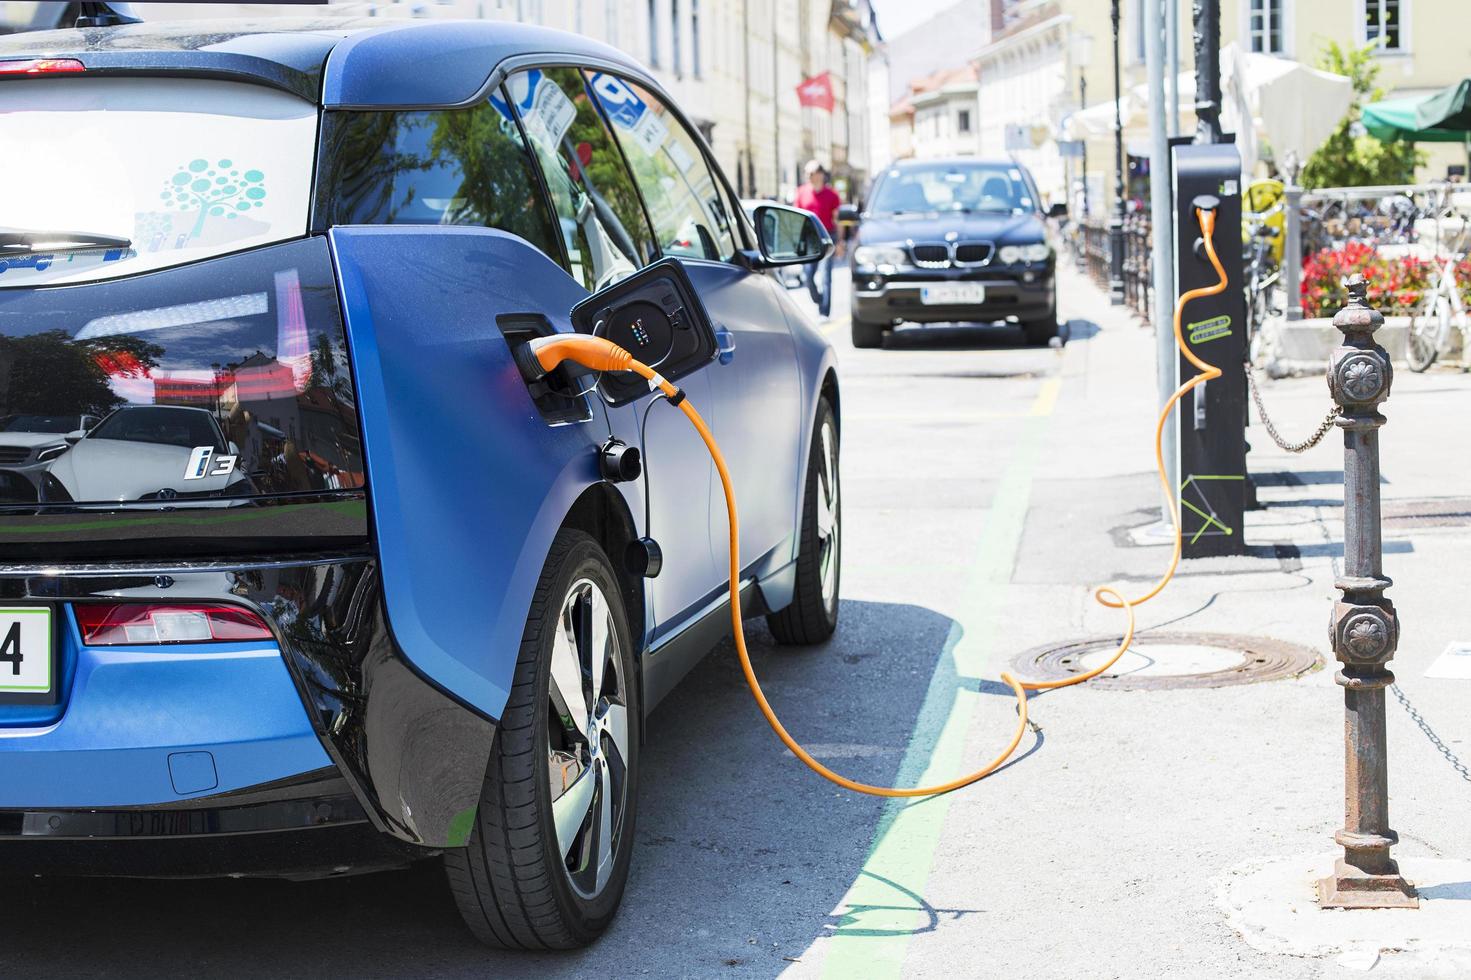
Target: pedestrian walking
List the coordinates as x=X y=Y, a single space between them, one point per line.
x=816 y=196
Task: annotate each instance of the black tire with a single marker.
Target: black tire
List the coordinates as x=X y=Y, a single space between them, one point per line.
x=1040 y=332
x=512 y=882
x=1421 y=339
x=867 y=334
x=813 y=614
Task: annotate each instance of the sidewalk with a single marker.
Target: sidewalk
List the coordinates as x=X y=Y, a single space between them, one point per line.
x=1101 y=853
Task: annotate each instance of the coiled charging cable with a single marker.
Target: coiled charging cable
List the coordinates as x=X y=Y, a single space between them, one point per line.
x=600 y=354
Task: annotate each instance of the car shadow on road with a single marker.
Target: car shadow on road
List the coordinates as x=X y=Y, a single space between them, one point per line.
x=742 y=858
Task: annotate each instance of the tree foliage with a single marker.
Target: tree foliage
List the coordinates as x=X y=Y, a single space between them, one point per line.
x=1351 y=157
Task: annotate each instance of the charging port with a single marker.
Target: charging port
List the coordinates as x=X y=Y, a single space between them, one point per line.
x=558 y=395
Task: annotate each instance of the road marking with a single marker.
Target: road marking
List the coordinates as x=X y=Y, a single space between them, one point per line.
x=885 y=906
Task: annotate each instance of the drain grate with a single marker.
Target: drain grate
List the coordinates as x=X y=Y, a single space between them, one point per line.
x=1158 y=661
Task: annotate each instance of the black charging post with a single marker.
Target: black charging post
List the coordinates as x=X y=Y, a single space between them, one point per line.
x=1210 y=449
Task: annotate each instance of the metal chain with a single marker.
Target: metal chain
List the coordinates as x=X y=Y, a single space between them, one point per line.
x=1424 y=726
x=1324 y=427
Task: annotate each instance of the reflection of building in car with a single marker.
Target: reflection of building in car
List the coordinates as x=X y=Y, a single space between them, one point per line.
x=142 y=452
x=28 y=445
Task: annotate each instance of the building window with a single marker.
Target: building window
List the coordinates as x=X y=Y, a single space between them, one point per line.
x=695 y=37
x=1265 y=26
x=674 y=38
x=962 y=121
x=1383 y=22
x=654 y=33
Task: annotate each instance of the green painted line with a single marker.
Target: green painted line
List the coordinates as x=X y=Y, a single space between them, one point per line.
x=885 y=907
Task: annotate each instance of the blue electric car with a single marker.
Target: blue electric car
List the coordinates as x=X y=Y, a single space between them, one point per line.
x=320 y=581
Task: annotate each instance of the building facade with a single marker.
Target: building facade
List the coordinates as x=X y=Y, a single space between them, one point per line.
x=732 y=65
x=1050 y=59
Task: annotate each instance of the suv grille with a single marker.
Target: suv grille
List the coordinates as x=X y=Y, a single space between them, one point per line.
x=935 y=256
x=12 y=455
x=973 y=253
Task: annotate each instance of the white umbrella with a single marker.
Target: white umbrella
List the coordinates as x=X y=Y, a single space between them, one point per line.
x=1293 y=108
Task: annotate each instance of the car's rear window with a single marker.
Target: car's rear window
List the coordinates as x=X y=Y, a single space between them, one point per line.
x=184 y=169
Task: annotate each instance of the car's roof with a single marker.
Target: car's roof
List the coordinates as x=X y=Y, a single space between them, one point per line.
x=339 y=62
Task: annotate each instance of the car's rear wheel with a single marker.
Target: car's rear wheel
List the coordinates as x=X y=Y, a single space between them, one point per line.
x=549 y=851
x=813 y=614
x=867 y=334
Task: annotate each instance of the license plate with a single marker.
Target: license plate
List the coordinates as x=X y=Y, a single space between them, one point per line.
x=953 y=294
x=27 y=654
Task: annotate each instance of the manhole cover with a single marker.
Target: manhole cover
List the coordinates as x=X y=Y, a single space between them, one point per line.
x=1171 y=660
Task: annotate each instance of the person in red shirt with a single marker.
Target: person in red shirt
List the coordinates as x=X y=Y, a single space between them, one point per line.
x=816 y=196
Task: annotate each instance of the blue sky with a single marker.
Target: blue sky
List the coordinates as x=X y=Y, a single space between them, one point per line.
x=897 y=16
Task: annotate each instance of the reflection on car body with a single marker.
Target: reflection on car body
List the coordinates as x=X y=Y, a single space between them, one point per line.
x=142 y=452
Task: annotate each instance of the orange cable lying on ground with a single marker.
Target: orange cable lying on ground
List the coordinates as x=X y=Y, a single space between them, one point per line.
x=599 y=354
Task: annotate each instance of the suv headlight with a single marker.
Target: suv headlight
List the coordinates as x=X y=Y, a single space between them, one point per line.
x=1036 y=252
x=51 y=452
x=878 y=255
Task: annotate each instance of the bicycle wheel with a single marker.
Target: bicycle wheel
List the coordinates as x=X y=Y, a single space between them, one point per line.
x=1423 y=340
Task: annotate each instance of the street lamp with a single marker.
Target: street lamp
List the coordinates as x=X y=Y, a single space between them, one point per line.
x=1116 y=222
x=1082 y=45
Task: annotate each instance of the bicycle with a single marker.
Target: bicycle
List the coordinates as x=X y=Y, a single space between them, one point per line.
x=1430 y=327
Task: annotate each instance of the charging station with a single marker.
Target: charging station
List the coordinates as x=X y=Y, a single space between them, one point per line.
x=1210 y=448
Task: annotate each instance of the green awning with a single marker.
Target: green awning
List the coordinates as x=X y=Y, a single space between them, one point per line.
x=1441 y=117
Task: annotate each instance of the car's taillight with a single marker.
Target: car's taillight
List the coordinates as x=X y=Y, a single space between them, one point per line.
x=135 y=623
x=41 y=66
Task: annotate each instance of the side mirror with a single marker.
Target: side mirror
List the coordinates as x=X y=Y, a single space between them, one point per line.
x=656 y=315
x=233 y=449
x=1057 y=210
x=848 y=213
x=790 y=236
x=75 y=436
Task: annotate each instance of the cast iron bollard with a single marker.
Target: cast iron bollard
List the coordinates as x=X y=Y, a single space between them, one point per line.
x=1364 y=630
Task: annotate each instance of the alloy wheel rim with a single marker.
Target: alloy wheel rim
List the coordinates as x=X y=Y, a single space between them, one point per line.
x=829 y=523
x=588 y=733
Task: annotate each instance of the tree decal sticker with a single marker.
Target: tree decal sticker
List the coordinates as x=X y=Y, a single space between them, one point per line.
x=218 y=190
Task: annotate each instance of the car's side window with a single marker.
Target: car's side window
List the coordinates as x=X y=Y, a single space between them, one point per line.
x=597 y=206
x=686 y=206
x=443 y=167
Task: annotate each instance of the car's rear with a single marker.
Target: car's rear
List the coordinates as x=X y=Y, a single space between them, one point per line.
x=187 y=588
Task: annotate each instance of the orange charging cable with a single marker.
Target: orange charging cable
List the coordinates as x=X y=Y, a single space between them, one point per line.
x=600 y=354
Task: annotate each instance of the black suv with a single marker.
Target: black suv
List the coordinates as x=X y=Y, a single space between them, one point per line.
x=943 y=241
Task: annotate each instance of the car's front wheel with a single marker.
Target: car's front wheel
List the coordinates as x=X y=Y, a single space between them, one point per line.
x=549 y=851
x=867 y=334
x=1040 y=332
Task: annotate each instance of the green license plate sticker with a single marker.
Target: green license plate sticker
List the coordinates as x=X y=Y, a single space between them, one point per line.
x=25 y=650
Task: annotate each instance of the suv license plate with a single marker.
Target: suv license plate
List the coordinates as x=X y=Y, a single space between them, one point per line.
x=27 y=654
x=953 y=294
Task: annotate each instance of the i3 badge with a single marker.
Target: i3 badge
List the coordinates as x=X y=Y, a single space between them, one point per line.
x=204 y=461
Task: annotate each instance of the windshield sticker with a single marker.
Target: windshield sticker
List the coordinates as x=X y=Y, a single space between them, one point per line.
x=204 y=461
x=221 y=190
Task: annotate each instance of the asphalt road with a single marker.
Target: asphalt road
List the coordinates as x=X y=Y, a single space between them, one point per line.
x=987 y=486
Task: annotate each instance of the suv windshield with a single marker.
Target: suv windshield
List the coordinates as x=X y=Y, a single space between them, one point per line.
x=965 y=187
x=162 y=425
x=184 y=169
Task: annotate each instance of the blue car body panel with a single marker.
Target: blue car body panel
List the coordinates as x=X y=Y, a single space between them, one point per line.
x=469 y=483
x=140 y=721
x=411 y=65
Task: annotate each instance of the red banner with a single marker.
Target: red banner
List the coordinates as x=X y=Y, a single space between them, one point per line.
x=817 y=92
